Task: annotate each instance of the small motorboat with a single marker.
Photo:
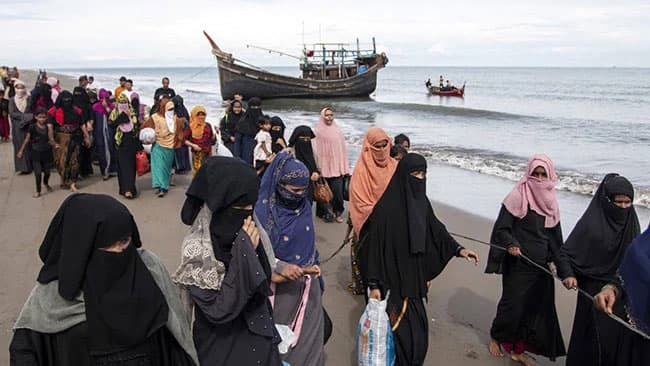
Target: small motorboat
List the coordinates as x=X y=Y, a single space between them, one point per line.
x=445 y=92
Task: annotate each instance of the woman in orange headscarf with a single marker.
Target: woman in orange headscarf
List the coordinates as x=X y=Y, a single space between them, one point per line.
x=372 y=173
x=199 y=137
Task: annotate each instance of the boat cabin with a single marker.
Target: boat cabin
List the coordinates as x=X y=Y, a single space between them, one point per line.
x=336 y=61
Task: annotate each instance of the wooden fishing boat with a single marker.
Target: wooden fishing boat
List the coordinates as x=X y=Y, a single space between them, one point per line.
x=325 y=73
x=455 y=92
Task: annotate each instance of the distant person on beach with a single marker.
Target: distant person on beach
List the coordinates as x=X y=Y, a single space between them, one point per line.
x=228 y=277
x=403 y=141
x=120 y=88
x=528 y=225
x=331 y=150
x=228 y=124
x=182 y=163
x=405 y=248
x=125 y=121
x=128 y=89
x=246 y=130
x=628 y=293
x=199 y=137
x=263 y=154
x=81 y=100
x=169 y=136
x=100 y=298
x=70 y=132
x=55 y=88
x=40 y=141
x=20 y=115
x=164 y=90
x=91 y=84
x=398 y=152
x=372 y=173
x=104 y=135
x=5 y=130
x=42 y=98
x=277 y=134
x=283 y=210
x=595 y=248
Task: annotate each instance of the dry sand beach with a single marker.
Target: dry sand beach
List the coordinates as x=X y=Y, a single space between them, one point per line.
x=462 y=301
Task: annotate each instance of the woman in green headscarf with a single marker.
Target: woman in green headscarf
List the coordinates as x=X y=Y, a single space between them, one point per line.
x=124 y=119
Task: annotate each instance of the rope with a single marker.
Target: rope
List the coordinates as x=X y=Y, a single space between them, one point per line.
x=196 y=74
x=546 y=270
x=347 y=239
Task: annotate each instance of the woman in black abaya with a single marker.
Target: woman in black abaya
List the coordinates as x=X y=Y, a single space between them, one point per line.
x=100 y=299
x=595 y=250
x=228 y=272
x=405 y=248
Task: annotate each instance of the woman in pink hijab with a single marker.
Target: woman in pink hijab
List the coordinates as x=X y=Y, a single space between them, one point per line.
x=528 y=225
x=329 y=146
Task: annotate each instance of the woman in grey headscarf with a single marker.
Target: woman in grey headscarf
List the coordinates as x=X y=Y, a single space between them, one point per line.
x=20 y=116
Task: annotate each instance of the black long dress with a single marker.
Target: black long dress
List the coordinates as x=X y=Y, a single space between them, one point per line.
x=126 y=151
x=595 y=250
x=526 y=316
x=404 y=245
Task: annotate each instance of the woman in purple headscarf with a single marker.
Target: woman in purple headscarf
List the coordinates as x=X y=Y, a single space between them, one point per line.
x=283 y=210
x=103 y=134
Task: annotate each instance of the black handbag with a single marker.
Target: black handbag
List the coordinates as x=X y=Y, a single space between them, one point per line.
x=346 y=187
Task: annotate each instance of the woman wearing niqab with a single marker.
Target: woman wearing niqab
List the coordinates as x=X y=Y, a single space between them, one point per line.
x=226 y=274
x=228 y=124
x=528 y=223
x=21 y=117
x=406 y=247
x=100 y=299
x=595 y=249
x=246 y=130
x=277 y=134
x=125 y=121
x=283 y=210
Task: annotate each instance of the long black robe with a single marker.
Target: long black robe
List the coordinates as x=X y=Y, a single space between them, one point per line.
x=595 y=249
x=126 y=151
x=404 y=245
x=526 y=311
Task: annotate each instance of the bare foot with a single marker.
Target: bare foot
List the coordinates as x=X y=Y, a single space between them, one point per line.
x=339 y=219
x=48 y=188
x=128 y=195
x=36 y=195
x=73 y=187
x=495 y=349
x=523 y=359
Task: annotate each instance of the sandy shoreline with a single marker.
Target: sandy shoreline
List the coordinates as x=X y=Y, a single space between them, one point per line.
x=462 y=301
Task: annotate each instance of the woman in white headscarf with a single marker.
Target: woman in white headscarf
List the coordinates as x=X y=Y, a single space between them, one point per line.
x=21 y=117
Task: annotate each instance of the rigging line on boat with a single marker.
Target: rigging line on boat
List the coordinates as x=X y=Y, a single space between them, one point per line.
x=547 y=271
x=204 y=69
x=273 y=51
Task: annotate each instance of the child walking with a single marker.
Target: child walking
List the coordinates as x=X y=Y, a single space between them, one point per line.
x=262 y=154
x=40 y=139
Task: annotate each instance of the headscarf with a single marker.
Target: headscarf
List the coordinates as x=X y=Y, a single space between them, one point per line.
x=538 y=194
x=406 y=244
x=247 y=124
x=170 y=116
x=599 y=240
x=21 y=100
x=331 y=149
x=103 y=95
x=53 y=82
x=123 y=304
x=635 y=277
x=286 y=216
x=371 y=175
x=304 y=151
x=197 y=125
x=277 y=131
x=123 y=105
x=64 y=111
x=222 y=183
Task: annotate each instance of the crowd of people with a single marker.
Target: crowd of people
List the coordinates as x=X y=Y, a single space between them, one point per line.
x=251 y=290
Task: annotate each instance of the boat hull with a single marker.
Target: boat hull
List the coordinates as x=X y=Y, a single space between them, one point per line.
x=451 y=93
x=250 y=82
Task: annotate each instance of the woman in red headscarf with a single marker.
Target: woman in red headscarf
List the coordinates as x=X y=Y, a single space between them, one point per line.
x=528 y=225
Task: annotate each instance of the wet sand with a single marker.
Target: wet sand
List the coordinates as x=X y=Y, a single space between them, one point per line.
x=462 y=301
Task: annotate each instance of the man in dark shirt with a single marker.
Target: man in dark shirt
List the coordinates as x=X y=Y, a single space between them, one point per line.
x=165 y=91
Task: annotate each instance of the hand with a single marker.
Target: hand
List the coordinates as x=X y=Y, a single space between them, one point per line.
x=312 y=270
x=428 y=284
x=375 y=294
x=232 y=138
x=469 y=255
x=87 y=141
x=292 y=272
x=19 y=155
x=250 y=229
x=571 y=283
x=104 y=104
x=514 y=250
x=57 y=146
x=269 y=160
x=196 y=147
x=314 y=176
x=605 y=300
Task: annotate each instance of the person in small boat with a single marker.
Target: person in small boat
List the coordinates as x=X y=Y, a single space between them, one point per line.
x=629 y=293
x=428 y=83
x=100 y=299
x=528 y=224
x=442 y=82
x=595 y=250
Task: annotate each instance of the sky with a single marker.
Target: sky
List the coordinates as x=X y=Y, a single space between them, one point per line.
x=146 y=33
